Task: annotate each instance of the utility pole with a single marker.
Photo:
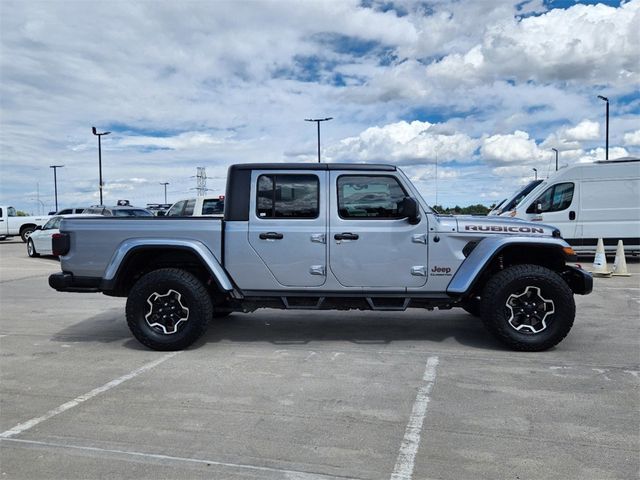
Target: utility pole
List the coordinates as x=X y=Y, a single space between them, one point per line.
x=55 y=181
x=99 y=135
x=555 y=150
x=318 y=120
x=165 y=190
x=607 y=141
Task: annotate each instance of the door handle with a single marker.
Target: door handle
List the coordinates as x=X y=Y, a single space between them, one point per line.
x=572 y=215
x=346 y=236
x=271 y=236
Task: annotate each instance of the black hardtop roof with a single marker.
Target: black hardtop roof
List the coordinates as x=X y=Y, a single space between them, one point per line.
x=313 y=166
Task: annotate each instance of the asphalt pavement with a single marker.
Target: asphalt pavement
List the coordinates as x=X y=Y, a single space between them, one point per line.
x=312 y=395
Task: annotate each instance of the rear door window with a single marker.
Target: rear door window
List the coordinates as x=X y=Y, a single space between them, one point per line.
x=288 y=196
x=212 y=206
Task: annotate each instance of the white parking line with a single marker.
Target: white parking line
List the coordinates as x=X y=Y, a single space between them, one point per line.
x=83 y=398
x=297 y=474
x=411 y=441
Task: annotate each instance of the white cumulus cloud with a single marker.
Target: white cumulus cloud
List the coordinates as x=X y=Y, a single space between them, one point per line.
x=511 y=148
x=585 y=130
x=632 y=138
x=404 y=143
x=584 y=43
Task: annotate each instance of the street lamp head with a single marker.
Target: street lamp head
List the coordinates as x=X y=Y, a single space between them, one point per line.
x=555 y=150
x=603 y=98
x=535 y=169
x=56 y=166
x=95 y=132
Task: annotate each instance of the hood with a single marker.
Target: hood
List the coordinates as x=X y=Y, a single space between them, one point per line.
x=498 y=225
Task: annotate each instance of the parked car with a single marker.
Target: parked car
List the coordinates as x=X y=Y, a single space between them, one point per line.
x=39 y=242
x=309 y=236
x=198 y=207
x=589 y=201
x=118 y=211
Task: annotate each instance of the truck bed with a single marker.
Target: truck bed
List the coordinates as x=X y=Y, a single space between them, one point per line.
x=94 y=241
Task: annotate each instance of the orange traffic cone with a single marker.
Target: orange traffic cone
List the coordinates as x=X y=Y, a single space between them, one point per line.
x=620 y=263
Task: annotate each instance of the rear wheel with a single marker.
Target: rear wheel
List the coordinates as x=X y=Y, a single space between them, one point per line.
x=528 y=307
x=168 y=309
x=31 y=249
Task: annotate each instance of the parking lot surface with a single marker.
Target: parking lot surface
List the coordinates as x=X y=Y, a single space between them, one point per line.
x=312 y=395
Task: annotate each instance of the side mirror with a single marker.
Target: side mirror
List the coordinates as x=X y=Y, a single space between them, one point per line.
x=38 y=227
x=161 y=213
x=538 y=207
x=410 y=209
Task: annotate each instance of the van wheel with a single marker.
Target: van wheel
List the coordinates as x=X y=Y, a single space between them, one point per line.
x=26 y=232
x=168 y=309
x=528 y=307
x=31 y=249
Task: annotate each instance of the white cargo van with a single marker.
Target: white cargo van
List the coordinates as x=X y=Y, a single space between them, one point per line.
x=589 y=201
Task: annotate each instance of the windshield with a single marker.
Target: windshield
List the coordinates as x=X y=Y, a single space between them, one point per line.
x=132 y=212
x=519 y=196
x=52 y=223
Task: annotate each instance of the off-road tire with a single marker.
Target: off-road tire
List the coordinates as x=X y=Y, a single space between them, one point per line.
x=192 y=297
x=512 y=282
x=31 y=249
x=26 y=232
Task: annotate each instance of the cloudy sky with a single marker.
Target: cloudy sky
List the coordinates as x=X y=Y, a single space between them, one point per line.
x=483 y=90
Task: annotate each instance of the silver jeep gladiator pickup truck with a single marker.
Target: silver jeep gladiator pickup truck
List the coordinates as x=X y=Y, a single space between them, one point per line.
x=323 y=236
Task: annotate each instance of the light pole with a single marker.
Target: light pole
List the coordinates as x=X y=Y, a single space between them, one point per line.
x=55 y=181
x=607 y=144
x=165 y=190
x=555 y=150
x=99 y=135
x=318 y=120
x=536 y=171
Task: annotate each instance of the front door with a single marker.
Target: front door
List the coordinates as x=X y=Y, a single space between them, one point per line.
x=288 y=226
x=370 y=244
x=559 y=206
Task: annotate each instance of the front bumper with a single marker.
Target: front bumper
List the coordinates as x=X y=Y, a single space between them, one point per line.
x=67 y=282
x=579 y=281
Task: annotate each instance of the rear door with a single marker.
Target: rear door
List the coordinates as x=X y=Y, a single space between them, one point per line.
x=370 y=244
x=288 y=225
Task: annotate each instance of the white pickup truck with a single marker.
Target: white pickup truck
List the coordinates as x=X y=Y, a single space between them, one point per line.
x=12 y=225
x=198 y=207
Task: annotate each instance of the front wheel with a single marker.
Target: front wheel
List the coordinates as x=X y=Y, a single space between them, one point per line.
x=26 y=232
x=31 y=249
x=528 y=307
x=168 y=309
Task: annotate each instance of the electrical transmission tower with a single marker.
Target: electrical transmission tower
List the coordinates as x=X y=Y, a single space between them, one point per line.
x=201 y=181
